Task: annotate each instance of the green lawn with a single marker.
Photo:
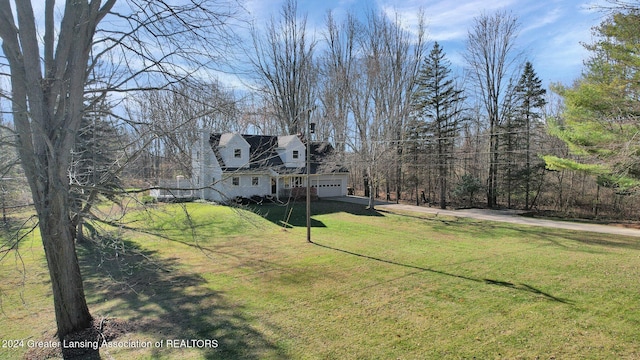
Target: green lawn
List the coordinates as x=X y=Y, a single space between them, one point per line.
x=372 y=286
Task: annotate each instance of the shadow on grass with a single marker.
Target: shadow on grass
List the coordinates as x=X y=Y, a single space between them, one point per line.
x=13 y=231
x=294 y=214
x=548 y=234
x=555 y=236
x=167 y=302
x=518 y=287
x=600 y=240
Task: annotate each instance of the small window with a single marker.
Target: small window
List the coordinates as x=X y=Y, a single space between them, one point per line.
x=255 y=181
x=235 y=181
x=237 y=153
x=296 y=154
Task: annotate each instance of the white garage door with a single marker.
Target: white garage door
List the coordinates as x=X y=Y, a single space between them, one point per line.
x=329 y=188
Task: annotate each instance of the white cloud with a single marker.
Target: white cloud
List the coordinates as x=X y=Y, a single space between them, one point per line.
x=538 y=21
x=445 y=20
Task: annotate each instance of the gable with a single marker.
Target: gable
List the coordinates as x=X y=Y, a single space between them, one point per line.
x=292 y=151
x=233 y=150
x=282 y=154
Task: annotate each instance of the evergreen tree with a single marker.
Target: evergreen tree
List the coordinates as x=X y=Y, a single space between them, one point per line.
x=601 y=120
x=529 y=97
x=94 y=165
x=438 y=102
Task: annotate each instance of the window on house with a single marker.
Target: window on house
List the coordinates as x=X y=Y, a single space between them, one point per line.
x=235 y=181
x=296 y=154
x=255 y=181
x=237 y=153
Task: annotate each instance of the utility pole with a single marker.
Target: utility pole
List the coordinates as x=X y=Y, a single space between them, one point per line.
x=310 y=130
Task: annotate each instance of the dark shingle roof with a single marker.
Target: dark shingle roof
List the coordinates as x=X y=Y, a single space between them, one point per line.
x=263 y=154
x=263 y=151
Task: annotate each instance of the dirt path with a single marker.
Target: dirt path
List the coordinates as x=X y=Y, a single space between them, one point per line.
x=508 y=216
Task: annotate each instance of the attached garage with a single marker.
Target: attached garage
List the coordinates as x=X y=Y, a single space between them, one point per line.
x=335 y=186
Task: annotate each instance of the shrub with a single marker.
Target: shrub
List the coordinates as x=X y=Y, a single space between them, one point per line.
x=467 y=188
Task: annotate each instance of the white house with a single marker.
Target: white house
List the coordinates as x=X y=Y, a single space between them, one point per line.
x=226 y=166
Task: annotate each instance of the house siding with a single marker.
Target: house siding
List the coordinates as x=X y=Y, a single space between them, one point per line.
x=229 y=144
x=214 y=165
x=245 y=188
x=206 y=170
x=286 y=146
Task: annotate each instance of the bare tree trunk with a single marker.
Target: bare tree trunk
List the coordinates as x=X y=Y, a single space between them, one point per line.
x=57 y=235
x=399 y=173
x=527 y=185
x=367 y=187
x=46 y=127
x=387 y=187
x=492 y=189
x=442 y=171
x=372 y=202
x=3 y=199
x=49 y=66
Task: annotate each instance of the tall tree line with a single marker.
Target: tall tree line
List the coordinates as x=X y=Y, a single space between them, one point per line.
x=360 y=92
x=369 y=81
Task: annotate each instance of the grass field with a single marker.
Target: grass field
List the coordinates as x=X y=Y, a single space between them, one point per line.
x=372 y=286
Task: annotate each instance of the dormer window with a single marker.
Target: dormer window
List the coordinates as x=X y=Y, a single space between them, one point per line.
x=237 y=153
x=296 y=154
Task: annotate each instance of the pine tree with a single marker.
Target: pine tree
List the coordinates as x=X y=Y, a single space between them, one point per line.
x=529 y=97
x=438 y=102
x=600 y=122
x=94 y=166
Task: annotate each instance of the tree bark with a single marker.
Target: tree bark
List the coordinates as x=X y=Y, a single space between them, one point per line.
x=46 y=112
x=72 y=312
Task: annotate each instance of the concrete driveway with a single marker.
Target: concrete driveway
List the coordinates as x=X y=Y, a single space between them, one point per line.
x=508 y=216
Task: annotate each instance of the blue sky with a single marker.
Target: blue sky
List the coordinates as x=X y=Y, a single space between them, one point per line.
x=550 y=30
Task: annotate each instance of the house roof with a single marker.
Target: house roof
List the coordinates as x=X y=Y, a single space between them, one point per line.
x=285 y=140
x=224 y=139
x=263 y=151
x=263 y=154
